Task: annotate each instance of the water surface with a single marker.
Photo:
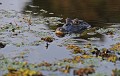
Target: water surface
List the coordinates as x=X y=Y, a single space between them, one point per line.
x=100 y=11
x=28 y=42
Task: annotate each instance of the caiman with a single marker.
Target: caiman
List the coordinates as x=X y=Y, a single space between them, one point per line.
x=72 y=26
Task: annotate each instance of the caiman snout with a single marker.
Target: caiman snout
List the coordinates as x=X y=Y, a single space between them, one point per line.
x=60 y=32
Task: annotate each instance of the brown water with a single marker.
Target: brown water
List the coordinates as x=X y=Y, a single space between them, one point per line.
x=92 y=11
x=95 y=12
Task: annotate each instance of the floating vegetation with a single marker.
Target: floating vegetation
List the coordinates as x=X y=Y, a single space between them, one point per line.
x=115 y=47
x=85 y=56
x=115 y=72
x=66 y=69
x=19 y=68
x=116 y=39
x=75 y=49
x=7 y=14
x=94 y=38
x=28 y=11
x=98 y=74
x=105 y=54
x=77 y=59
x=92 y=62
x=42 y=10
x=32 y=6
x=93 y=33
x=1 y=57
x=36 y=43
x=112 y=58
x=48 y=39
x=84 y=71
x=22 y=72
x=107 y=31
x=53 y=20
x=88 y=45
x=46 y=64
x=51 y=13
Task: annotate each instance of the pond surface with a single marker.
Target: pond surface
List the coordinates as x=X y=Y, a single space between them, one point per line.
x=100 y=11
x=36 y=19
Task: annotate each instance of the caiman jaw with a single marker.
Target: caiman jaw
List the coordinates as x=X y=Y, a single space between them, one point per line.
x=60 y=32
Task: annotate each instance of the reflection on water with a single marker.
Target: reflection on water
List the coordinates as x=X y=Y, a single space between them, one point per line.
x=90 y=10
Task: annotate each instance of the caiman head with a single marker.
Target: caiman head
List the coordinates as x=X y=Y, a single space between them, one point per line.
x=71 y=26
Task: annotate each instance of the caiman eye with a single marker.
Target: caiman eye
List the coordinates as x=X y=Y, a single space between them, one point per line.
x=60 y=29
x=66 y=24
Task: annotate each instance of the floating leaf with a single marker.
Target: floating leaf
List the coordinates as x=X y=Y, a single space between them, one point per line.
x=112 y=58
x=115 y=72
x=84 y=71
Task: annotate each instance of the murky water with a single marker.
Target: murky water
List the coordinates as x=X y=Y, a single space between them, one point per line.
x=92 y=11
x=100 y=13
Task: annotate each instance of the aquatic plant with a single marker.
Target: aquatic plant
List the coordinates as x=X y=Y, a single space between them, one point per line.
x=92 y=62
x=98 y=74
x=22 y=72
x=115 y=72
x=84 y=71
x=75 y=49
x=107 y=31
x=115 y=47
x=48 y=39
